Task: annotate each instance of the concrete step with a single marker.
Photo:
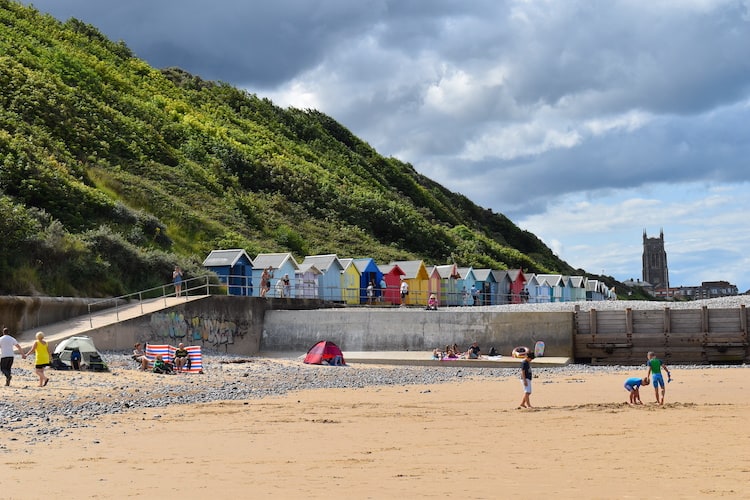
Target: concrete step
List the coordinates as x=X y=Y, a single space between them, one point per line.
x=424 y=358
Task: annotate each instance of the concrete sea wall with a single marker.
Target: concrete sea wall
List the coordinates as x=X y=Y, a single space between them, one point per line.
x=19 y=313
x=417 y=329
x=250 y=325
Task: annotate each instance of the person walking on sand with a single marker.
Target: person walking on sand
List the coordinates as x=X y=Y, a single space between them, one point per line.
x=41 y=352
x=654 y=369
x=632 y=385
x=177 y=280
x=526 y=378
x=7 y=346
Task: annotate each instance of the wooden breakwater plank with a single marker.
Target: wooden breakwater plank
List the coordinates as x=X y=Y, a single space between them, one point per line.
x=679 y=335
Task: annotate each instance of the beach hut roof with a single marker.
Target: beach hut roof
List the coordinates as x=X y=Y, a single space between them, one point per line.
x=323 y=262
x=578 y=281
x=484 y=275
x=447 y=271
x=465 y=271
x=308 y=267
x=274 y=260
x=514 y=274
x=551 y=279
x=219 y=258
x=500 y=275
x=390 y=268
x=409 y=267
x=365 y=265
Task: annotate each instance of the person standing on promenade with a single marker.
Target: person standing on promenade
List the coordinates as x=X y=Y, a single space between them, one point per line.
x=654 y=369
x=265 y=281
x=526 y=378
x=41 y=352
x=7 y=346
x=177 y=280
x=404 y=292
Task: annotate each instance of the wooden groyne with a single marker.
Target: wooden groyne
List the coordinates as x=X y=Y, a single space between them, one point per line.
x=676 y=335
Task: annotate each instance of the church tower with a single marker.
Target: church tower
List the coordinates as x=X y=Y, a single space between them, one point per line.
x=655 y=269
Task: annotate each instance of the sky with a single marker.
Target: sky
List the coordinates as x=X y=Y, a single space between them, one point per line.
x=584 y=122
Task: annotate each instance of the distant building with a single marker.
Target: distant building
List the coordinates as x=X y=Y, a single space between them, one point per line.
x=647 y=287
x=707 y=290
x=655 y=269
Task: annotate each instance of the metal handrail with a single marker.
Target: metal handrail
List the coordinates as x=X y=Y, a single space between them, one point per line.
x=389 y=295
x=198 y=283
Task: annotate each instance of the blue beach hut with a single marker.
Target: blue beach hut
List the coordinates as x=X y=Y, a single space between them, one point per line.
x=329 y=281
x=234 y=269
x=281 y=264
x=368 y=270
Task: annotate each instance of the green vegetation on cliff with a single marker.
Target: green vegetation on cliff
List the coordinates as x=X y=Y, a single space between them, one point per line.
x=112 y=171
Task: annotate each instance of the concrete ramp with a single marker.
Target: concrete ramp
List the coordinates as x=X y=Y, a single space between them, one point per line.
x=81 y=325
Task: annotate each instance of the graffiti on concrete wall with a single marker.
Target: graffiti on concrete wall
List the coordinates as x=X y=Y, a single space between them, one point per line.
x=174 y=325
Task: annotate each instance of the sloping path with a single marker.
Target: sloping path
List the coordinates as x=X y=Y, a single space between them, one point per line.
x=80 y=325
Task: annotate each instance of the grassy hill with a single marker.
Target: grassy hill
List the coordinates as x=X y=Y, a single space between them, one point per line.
x=112 y=172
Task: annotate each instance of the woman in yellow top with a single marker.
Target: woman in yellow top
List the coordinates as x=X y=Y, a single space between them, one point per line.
x=41 y=351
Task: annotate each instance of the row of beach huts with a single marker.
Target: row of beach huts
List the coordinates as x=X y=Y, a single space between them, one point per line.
x=331 y=278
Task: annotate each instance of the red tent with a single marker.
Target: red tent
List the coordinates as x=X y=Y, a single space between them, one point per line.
x=323 y=350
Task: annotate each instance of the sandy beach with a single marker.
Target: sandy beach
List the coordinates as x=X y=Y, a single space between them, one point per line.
x=459 y=439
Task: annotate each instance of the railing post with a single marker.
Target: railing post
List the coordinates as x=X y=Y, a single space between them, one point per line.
x=91 y=320
x=140 y=299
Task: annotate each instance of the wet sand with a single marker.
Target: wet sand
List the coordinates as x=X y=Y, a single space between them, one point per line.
x=453 y=440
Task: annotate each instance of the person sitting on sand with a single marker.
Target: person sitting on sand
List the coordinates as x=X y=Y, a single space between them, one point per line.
x=451 y=354
x=181 y=358
x=437 y=354
x=474 y=351
x=140 y=356
x=632 y=385
x=161 y=366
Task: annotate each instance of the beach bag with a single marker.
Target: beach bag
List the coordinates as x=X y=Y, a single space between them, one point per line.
x=96 y=363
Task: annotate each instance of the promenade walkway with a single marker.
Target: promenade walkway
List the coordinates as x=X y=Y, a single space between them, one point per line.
x=81 y=325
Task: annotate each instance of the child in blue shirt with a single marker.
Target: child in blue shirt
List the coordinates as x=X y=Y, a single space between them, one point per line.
x=633 y=385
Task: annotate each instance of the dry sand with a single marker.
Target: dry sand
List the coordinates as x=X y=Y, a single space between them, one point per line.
x=455 y=440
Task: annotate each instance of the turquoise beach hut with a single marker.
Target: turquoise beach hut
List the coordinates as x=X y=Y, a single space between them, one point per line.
x=329 y=280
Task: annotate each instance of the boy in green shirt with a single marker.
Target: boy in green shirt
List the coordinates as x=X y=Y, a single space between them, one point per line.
x=654 y=369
